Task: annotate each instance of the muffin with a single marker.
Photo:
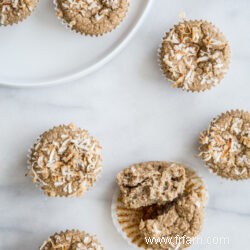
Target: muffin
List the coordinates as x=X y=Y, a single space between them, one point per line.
x=65 y=161
x=177 y=217
x=92 y=17
x=15 y=11
x=71 y=240
x=225 y=145
x=194 y=55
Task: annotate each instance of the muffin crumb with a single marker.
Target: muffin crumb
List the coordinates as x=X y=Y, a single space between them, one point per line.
x=149 y=183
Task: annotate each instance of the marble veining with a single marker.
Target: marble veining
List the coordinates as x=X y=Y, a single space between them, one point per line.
x=137 y=117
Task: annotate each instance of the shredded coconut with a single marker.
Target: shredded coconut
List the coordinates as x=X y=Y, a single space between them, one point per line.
x=194 y=55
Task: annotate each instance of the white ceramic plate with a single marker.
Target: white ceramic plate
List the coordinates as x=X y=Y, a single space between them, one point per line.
x=41 y=51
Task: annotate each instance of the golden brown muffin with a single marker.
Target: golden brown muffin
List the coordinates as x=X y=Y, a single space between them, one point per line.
x=194 y=55
x=92 y=17
x=14 y=11
x=65 y=161
x=225 y=145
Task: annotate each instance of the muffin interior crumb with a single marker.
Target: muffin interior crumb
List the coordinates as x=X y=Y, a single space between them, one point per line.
x=147 y=184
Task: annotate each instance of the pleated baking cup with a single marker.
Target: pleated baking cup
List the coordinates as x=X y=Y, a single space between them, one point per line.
x=127 y=220
x=160 y=56
x=70 y=27
x=74 y=233
x=40 y=183
x=20 y=18
x=212 y=167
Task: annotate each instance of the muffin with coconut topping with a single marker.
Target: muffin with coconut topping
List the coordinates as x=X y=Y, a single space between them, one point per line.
x=92 y=17
x=65 y=161
x=194 y=55
x=225 y=145
x=71 y=240
x=14 y=11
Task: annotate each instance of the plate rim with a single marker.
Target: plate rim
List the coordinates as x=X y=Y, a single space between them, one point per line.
x=90 y=69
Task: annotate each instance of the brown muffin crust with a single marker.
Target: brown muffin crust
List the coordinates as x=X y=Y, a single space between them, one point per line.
x=225 y=145
x=151 y=183
x=15 y=11
x=65 y=161
x=194 y=55
x=92 y=17
x=181 y=217
x=71 y=240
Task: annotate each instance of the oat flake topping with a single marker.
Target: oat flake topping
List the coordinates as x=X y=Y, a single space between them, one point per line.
x=225 y=146
x=13 y=11
x=65 y=161
x=194 y=55
x=71 y=240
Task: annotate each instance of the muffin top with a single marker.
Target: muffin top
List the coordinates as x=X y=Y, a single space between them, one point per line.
x=13 y=11
x=194 y=55
x=150 y=183
x=92 y=17
x=225 y=145
x=71 y=240
x=179 y=218
x=65 y=161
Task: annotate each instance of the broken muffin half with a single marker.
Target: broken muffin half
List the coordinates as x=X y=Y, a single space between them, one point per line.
x=160 y=205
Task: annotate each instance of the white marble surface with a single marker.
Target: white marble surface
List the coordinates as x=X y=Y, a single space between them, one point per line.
x=138 y=117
